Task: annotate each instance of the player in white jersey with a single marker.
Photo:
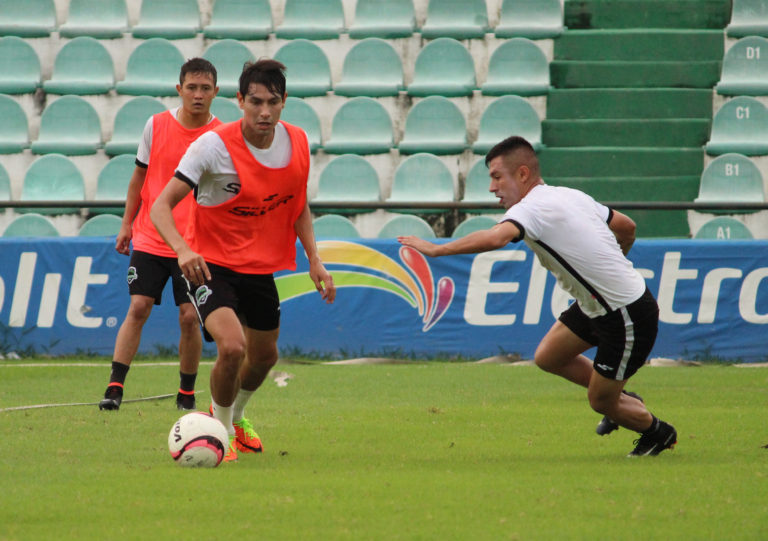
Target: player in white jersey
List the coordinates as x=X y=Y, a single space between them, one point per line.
x=584 y=244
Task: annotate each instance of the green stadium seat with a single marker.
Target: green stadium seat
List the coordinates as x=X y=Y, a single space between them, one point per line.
x=533 y=19
x=101 y=19
x=105 y=225
x=14 y=137
x=308 y=72
x=70 y=125
x=476 y=186
x=505 y=116
x=53 y=177
x=311 y=19
x=169 y=19
x=31 y=225
x=82 y=66
x=422 y=178
x=519 y=67
x=472 y=224
x=240 y=19
x=724 y=228
x=745 y=69
x=458 y=19
x=348 y=178
x=434 y=125
x=112 y=183
x=152 y=70
x=5 y=184
x=360 y=126
x=226 y=110
x=406 y=225
x=748 y=18
x=371 y=68
x=129 y=124
x=19 y=66
x=740 y=126
x=229 y=56
x=333 y=226
x=387 y=19
x=27 y=18
x=300 y=113
x=731 y=178
x=443 y=67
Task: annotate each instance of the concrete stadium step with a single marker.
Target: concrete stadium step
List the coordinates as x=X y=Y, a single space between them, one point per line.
x=647 y=74
x=640 y=45
x=621 y=162
x=606 y=189
x=677 y=132
x=647 y=13
x=589 y=103
x=660 y=223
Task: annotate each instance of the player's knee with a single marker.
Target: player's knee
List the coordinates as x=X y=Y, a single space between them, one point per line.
x=139 y=309
x=602 y=403
x=231 y=352
x=188 y=320
x=543 y=359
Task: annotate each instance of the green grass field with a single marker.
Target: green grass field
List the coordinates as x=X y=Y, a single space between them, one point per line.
x=422 y=451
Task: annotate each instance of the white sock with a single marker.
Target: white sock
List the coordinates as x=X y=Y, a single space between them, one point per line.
x=224 y=414
x=238 y=408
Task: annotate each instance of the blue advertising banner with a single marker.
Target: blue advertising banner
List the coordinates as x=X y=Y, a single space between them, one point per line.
x=69 y=296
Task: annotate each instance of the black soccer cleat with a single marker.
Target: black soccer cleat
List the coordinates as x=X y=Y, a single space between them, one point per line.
x=665 y=437
x=113 y=396
x=185 y=402
x=607 y=425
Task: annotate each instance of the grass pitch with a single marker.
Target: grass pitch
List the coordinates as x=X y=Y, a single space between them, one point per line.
x=423 y=451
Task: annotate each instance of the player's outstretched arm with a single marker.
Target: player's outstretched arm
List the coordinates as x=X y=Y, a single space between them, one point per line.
x=320 y=276
x=480 y=241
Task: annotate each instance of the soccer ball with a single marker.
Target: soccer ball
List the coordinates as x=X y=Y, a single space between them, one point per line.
x=198 y=440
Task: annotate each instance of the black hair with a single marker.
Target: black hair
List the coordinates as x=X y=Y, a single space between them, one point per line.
x=508 y=145
x=197 y=65
x=265 y=71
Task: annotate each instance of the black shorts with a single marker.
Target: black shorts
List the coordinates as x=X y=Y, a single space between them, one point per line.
x=253 y=297
x=624 y=337
x=148 y=274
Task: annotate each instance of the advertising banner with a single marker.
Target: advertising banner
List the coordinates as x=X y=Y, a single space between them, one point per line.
x=68 y=296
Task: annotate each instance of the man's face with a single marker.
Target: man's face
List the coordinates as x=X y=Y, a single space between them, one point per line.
x=197 y=92
x=508 y=179
x=261 y=109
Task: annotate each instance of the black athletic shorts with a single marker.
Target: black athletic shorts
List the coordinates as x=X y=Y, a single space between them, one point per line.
x=624 y=337
x=148 y=274
x=253 y=297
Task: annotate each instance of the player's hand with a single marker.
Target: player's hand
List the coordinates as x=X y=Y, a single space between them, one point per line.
x=193 y=267
x=123 y=241
x=323 y=280
x=423 y=246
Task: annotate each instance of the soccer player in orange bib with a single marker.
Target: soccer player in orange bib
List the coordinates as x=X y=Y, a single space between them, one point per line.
x=250 y=181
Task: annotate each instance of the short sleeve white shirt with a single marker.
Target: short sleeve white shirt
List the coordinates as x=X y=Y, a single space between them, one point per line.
x=569 y=233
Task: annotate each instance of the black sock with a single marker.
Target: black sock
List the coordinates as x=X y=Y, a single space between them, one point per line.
x=187 y=381
x=653 y=428
x=119 y=371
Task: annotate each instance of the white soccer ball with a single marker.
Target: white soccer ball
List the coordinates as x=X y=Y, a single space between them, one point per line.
x=198 y=440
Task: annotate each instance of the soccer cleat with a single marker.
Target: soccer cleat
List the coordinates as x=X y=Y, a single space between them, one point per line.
x=185 y=401
x=607 y=425
x=231 y=455
x=665 y=437
x=246 y=438
x=113 y=396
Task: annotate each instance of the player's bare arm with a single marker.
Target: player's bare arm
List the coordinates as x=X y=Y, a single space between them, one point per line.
x=320 y=276
x=623 y=228
x=480 y=241
x=132 y=200
x=192 y=265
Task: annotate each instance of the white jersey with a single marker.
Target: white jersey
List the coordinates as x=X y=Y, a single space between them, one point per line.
x=569 y=233
x=208 y=167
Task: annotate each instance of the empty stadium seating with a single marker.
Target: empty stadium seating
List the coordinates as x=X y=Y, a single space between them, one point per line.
x=101 y=19
x=240 y=19
x=105 y=225
x=472 y=224
x=82 y=66
x=27 y=19
x=724 y=228
x=129 y=124
x=745 y=68
x=14 y=136
x=311 y=19
x=19 y=66
x=308 y=72
x=476 y=187
x=228 y=56
x=300 y=113
x=152 y=70
x=332 y=226
x=534 y=19
x=406 y=225
x=112 y=183
x=371 y=68
x=169 y=19
x=53 y=177
x=360 y=126
x=749 y=18
x=731 y=178
x=70 y=125
x=505 y=116
x=741 y=126
x=443 y=67
x=459 y=19
x=434 y=125
x=387 y=19
x=422 y=178
x=5 y=185
x=519 y=67
x=31 y=225
x=226 y=110
x=348 y=178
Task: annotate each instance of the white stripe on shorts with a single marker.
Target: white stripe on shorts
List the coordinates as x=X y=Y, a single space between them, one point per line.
x=629 y=341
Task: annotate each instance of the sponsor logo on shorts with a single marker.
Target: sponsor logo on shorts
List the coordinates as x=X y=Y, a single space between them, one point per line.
x=132 y=275
x=201 y=294
x=604 y=367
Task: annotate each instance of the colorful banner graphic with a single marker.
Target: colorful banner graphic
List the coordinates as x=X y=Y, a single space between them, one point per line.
x=69 y=296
